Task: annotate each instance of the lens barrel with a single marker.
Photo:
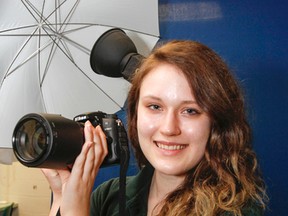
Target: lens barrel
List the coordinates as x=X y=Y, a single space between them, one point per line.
x=47 y=140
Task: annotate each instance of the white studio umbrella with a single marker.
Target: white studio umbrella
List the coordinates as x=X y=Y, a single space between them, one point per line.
x=44 y=55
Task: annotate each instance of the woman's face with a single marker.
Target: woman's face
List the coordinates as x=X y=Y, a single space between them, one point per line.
x=172 y=129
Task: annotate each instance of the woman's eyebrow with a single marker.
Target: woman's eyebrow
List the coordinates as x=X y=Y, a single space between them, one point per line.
x=151 y=97
x=159 y=99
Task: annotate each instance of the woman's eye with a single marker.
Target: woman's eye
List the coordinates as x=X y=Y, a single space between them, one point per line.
x=191 y=111
x=154 y=107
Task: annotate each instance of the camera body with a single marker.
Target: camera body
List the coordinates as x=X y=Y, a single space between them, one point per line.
x=52 y=141
x=114 y=130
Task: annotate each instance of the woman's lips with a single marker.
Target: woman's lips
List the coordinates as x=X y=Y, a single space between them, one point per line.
x=170 y=146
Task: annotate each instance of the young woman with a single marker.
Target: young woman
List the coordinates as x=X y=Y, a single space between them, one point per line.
x=187 y=124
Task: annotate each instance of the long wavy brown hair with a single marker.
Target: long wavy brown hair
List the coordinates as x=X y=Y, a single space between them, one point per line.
x=227 y=179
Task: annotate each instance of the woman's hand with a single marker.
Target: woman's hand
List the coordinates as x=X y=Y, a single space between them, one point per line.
x=72 y=190
x=55 y=182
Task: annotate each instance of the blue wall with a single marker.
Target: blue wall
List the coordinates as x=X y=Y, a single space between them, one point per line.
x=252 y=38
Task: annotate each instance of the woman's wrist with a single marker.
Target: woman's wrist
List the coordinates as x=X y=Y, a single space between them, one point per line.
x=54 y=208
x=56 y=202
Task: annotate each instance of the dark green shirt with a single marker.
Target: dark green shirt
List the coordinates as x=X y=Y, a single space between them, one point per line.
x=104 y=200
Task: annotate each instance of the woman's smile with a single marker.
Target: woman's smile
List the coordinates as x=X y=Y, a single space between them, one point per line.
x=170 y=146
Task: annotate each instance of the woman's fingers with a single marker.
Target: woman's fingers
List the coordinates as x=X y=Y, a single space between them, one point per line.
x=101 y=149
x=78 y=166
x=96 y=153
x=93 y=153
x=89 y=166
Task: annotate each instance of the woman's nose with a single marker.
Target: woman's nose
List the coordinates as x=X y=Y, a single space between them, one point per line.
x=170 y=124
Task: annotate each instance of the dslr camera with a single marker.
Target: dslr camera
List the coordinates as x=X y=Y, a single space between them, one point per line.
x=52 y=141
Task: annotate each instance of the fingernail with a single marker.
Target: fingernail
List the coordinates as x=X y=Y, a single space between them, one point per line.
x=88 y=125
x=98 y=127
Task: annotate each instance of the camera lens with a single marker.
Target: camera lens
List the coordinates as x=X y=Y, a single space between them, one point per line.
x=47 y=140
x=31 y=139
